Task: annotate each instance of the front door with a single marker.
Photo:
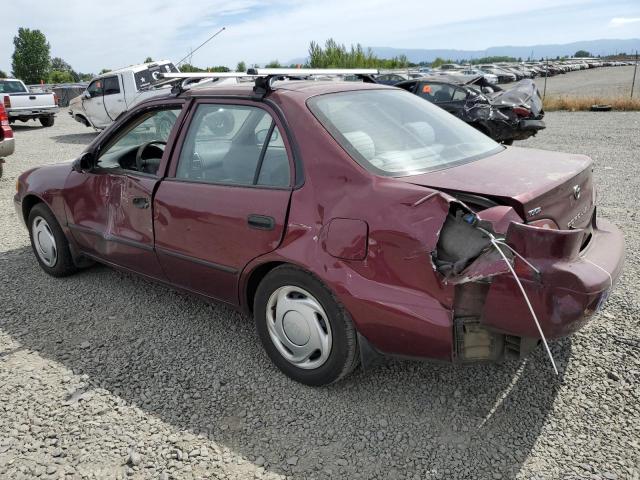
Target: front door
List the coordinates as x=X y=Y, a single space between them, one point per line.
x=94 y=105
x=110 y=208
x=226 y=198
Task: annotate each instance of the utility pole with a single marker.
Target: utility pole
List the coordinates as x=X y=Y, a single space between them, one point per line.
x=635 y=68
x=546 y=74
x=190 y=55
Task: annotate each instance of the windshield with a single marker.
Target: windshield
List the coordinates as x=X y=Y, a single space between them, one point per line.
x=395 y=133
x=12 y=86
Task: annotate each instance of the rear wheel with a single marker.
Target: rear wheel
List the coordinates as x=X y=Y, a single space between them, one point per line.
x=47 y=121
x=49 y=243
x=303 y=328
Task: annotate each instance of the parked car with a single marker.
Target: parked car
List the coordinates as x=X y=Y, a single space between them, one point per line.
x=503 y=76
x=505 y=116
x=112 y=93
x=391 y=78
x=474 y=72
x=7 y=142
x=350 y=219
x=21 y=104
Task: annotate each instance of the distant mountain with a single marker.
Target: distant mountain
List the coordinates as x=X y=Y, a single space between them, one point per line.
x=596 y=47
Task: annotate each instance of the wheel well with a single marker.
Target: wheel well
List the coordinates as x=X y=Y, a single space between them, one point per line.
x=255 y=278
x=28 y=203
x=84 y=119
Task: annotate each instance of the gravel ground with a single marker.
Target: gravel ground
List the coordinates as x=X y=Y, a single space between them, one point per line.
x=600 y=82
x=105 y=375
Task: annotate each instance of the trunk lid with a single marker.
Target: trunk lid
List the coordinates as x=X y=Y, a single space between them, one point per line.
x=536 y=183
x=524 y=93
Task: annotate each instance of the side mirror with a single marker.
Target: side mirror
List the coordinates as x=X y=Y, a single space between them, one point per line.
x=86 y=94
x=83 y=163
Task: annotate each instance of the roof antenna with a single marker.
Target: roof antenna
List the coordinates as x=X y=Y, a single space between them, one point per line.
x=202 y=45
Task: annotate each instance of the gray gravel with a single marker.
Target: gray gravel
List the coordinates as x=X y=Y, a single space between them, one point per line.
x=104 y=374
x=606 y=82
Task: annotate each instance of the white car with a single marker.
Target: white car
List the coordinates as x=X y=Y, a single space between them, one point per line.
x=489 y=77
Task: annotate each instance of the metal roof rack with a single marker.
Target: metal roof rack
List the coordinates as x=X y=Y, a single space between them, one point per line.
x=264 y=77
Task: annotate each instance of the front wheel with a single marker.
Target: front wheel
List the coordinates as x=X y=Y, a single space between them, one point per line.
x=47 y=121
x=303 y=328
x=49 y=243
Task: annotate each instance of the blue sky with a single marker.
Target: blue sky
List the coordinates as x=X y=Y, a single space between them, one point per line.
x=95 y=35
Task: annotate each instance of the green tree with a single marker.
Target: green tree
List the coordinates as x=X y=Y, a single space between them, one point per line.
x=219 y=68
x=334 y=55
x=30 y=61
x=104 y=70
x=59 y=65
x=188 y=68
x=59 y=76
x=438 y=62
x=148 y=60
x=241 y=67
x=273 y=64
x=582 y=54
x=3 y=74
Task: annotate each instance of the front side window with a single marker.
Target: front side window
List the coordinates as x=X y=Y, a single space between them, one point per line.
x=140 y=144
x=394 y=133
x=95 y=88
x=111 y=86
x=236 y=145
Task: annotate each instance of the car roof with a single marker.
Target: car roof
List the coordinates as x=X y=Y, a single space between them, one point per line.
x=133 y=68
x=304 y=88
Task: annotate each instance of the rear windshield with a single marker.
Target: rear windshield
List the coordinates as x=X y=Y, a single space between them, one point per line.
x=12 y=86
x=395 y=133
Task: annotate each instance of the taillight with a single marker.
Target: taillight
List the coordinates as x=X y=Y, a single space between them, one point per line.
x=522 y=112
x=544 y=223
x=55 y=100
x=7 y=101
x=5 y=129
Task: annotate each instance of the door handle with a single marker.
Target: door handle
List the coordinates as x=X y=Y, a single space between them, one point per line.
x=261 y=222
x=141 y=202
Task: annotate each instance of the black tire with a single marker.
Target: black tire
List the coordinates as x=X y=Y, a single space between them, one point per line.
x=344 y=355
x=47 y=121
x=601 y=108
x=508 y=141
x=63 y=265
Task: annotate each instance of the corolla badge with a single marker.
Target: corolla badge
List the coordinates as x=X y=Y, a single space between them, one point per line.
x=576 y=192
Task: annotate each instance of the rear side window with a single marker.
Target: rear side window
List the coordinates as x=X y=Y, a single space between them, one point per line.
x=111 y=85
x=235 y=145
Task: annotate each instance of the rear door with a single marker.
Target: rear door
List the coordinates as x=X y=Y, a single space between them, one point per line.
x=226 y=198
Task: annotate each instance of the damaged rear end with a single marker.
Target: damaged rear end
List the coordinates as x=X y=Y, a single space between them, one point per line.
x=524 y=249
x=521 y=109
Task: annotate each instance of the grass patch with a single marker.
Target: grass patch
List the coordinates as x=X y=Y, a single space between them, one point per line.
x=576 y=104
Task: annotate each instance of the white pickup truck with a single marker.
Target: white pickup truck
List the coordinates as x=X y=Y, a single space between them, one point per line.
x=23 y=105
x=112 y=93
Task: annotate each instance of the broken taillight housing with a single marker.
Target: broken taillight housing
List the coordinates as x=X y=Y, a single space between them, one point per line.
x=544 y=223
x=7 y=101
x=522 y=112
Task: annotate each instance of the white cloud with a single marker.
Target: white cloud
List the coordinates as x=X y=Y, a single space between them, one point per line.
x=623 y=21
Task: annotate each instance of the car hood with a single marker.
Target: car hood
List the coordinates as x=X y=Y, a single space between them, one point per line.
x=527 y=180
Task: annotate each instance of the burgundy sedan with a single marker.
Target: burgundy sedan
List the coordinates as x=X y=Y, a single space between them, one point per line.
x=351 y=220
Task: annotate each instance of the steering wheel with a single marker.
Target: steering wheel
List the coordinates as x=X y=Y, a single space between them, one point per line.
x=140 y=162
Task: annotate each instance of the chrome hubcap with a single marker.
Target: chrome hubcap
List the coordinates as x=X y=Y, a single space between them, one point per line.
x=298 y=327
x=44 y=242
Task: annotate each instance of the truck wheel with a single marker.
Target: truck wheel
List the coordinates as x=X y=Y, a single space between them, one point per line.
x=47 y=121
x=509 y=141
